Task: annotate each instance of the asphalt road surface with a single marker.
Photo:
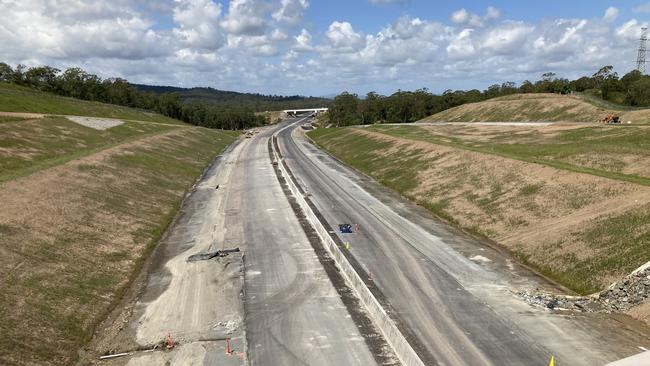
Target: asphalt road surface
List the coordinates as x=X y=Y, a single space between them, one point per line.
x=457 y=311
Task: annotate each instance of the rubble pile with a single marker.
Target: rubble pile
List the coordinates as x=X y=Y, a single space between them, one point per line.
x=618 y=297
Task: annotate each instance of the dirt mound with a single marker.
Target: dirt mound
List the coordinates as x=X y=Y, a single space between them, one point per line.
x=534 y=107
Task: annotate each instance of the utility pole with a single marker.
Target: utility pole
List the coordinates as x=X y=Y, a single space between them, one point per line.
x=640 y=60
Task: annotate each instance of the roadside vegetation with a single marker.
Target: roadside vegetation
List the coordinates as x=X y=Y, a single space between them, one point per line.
x=633 y=89
x=523 y=187
x=16 y=98
x=255 y=101
x=77 y=83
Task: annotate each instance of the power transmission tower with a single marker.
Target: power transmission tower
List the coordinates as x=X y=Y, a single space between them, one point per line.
x=640 y=60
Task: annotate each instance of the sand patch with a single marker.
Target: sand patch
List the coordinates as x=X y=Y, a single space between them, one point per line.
x=96 y=123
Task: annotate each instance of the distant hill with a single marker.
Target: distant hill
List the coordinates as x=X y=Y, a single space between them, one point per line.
x=257 y=102
x=536 y=107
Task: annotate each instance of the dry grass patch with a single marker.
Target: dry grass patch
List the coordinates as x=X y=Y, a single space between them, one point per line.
x=73 y=235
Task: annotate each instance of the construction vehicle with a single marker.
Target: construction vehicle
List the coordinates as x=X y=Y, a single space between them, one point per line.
x=611 y=120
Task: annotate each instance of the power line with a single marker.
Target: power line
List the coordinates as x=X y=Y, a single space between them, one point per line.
x=640 y=59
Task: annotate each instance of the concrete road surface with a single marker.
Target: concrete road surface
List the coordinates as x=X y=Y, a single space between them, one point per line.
x=294 y=315
x=274 y=299
x=454 y=310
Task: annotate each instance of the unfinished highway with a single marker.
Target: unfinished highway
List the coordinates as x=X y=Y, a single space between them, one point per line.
x=276 y=302
x=283 y=300
x=453 y=309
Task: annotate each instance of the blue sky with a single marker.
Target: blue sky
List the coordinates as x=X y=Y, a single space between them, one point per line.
x=321 y=47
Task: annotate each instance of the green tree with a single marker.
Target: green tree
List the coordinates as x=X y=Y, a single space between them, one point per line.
x=370 y=109
x=527 y=87
x=582 y=84
x=630 y=78
x=399 y=107
x=6 y=72
x=343 y=110
x=639 y=93
x=42 y=78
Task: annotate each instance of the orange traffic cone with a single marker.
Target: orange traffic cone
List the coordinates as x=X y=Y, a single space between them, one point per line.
x=169 y=342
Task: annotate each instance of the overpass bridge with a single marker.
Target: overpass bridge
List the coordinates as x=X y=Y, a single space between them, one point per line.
x=295 y=112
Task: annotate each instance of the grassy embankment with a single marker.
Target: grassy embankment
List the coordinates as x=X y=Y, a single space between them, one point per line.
x=14 y=98
x=570 y=201
x=81 y=209
x=539 y=107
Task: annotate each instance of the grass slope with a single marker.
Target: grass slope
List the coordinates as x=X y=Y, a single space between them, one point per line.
x=583 y=231
x=536 y=107
x=71 y=236
x=28 y=146
x=14 y=98
x=81 y=210
x=591 y=150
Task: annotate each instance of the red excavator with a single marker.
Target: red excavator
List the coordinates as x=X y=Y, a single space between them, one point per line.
x=611 y=120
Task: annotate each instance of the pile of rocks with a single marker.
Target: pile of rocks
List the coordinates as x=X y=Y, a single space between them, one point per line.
x=619 y=297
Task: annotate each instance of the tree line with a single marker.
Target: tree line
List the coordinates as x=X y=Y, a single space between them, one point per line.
x=633 y=89
x=77 y=83
x=257 y=102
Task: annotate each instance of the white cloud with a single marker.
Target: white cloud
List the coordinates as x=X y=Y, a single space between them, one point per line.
x=507 y=38
x=303 y=41
x=460 y=16
x=610 y=14
x=465 y=18
x=269 y=46
x=630 y=30
x=246 y=17
x=341 y=37
x=461 y=46
x=291 y=11
x=37 y=30
x=198 y=24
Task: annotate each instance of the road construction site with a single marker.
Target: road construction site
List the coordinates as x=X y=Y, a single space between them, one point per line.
x=296 y=292
x=270 y=303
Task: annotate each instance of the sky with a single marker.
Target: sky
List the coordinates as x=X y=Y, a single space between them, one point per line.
x=324 y=47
